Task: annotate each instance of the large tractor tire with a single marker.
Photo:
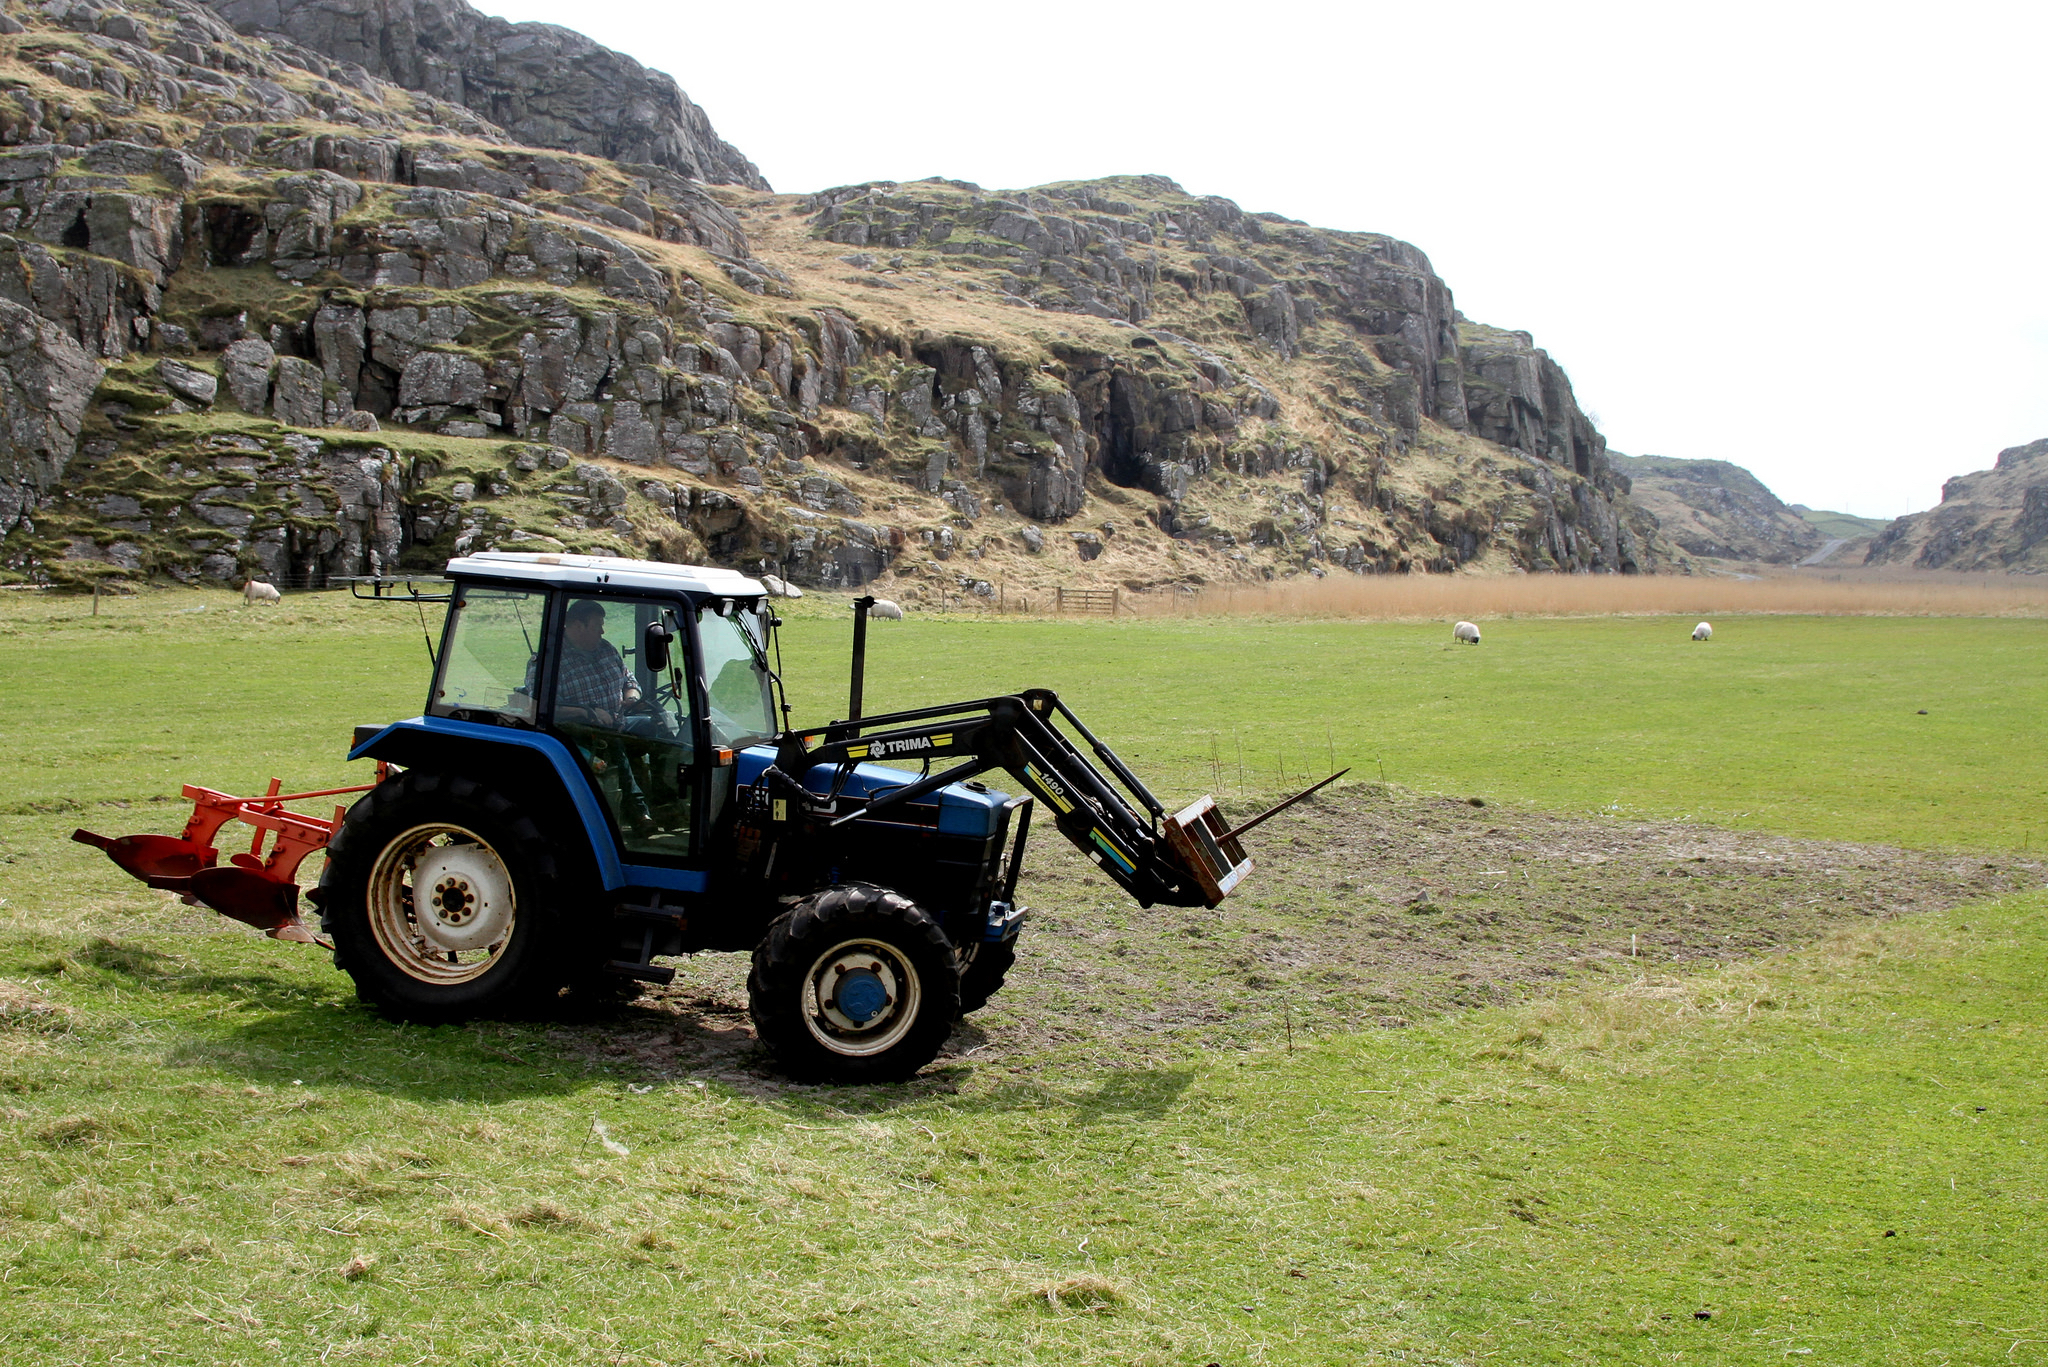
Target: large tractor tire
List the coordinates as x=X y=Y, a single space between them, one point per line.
x=854 y=984
x=987 y=965
x=444 y=902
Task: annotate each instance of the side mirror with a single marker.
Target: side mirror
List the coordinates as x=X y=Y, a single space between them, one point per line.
x=654 y=647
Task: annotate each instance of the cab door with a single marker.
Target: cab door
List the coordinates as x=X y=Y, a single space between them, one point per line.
x=736 y=695
x=632 y=727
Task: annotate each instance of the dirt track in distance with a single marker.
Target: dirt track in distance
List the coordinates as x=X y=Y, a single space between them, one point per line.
x=1367 y=908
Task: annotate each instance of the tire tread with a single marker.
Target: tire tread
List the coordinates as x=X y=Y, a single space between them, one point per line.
x=536 y=967
x=784 y=955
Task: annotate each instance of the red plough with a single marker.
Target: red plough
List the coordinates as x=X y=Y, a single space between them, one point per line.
x=253 y=887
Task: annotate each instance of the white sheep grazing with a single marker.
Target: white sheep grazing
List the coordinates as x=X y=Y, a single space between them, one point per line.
x=1703 y=632
x=1465 y=632
x=886 y=610
x=256 y=591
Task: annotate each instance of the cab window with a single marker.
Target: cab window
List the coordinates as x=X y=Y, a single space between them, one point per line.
x=488 y=656
x=736 y=686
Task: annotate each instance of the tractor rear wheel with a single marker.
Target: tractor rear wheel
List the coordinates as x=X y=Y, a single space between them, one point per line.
x=987 y=965
x=854 y=984
x=441 y=898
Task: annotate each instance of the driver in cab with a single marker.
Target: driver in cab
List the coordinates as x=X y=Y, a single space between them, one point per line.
x=592 y=684
x=594 y=688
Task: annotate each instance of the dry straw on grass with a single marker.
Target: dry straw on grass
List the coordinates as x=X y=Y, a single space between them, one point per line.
x=551 y=1214
x=1088 y=1293
x=25 y=1007
x=1628 y=1027
x=1431 y=597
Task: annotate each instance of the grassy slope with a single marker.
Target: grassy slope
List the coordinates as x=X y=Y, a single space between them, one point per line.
x=216 y=1154
x=1846 y=525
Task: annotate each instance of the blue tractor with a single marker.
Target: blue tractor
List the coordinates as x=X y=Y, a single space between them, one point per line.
x=606 y=774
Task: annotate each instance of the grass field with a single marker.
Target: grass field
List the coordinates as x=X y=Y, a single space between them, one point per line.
x=1808 y=725
x=1830 y=1154
x=1830 y=591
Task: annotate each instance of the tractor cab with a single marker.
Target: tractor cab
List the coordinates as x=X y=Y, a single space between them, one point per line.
x=651 y=677
x=613 y=695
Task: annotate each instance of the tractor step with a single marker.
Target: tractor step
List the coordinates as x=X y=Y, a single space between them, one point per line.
x=659 y=930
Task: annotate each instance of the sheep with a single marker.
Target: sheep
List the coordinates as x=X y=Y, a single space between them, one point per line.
x=886 y=610
x=1703 y=632
x=256 y=591
x=1465 y=632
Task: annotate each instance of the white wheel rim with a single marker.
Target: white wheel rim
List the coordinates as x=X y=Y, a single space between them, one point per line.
x=441 y=904
x=860 y=998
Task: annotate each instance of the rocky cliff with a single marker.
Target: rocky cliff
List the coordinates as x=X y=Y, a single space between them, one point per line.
x=1715 y=510
x=263 y=310
x=545 y=86
x=1994 y=519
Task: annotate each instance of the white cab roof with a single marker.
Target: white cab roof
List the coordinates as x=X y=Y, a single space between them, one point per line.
x=610 y=571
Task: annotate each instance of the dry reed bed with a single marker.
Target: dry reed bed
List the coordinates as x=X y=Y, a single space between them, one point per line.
x=1430 y=597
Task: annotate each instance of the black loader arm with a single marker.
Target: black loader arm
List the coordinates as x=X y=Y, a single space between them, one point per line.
x=1187 y=858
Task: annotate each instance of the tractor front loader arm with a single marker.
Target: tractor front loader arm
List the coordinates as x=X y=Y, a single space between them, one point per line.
x=1185 y=858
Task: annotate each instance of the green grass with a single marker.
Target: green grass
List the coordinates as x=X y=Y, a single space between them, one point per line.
x=1845 y=525
x=215 y=1155
x=221 y=1156
x=1806 y=725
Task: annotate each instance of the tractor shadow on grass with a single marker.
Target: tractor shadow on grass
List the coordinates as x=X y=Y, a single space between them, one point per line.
x=1133 y=1094
x=355 y=1047
x=1117 y=1096
x=222 y=1004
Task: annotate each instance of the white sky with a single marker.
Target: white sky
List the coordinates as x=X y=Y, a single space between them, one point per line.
x=1804 y=237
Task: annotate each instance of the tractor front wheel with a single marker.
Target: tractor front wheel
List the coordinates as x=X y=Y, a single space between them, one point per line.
x=987 y=965
x=440 y=897
x=854 y=984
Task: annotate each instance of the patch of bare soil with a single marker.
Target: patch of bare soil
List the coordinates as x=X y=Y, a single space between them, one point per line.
x=1367 y=908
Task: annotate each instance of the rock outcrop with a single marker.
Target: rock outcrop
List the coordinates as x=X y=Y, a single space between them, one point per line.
x=1994 y=519
x=45 y=381
x=545 y=86
x=268 y=312
x=1715 y=510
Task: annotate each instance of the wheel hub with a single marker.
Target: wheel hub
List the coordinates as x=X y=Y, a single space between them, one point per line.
x=863 y=996
x=462 y=897
x=453 y=899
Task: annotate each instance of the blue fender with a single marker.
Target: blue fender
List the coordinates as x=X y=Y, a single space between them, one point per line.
x=391 y=743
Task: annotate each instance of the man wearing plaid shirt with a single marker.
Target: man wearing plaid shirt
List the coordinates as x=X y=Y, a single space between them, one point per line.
x=592 y=684
x=592 y=687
